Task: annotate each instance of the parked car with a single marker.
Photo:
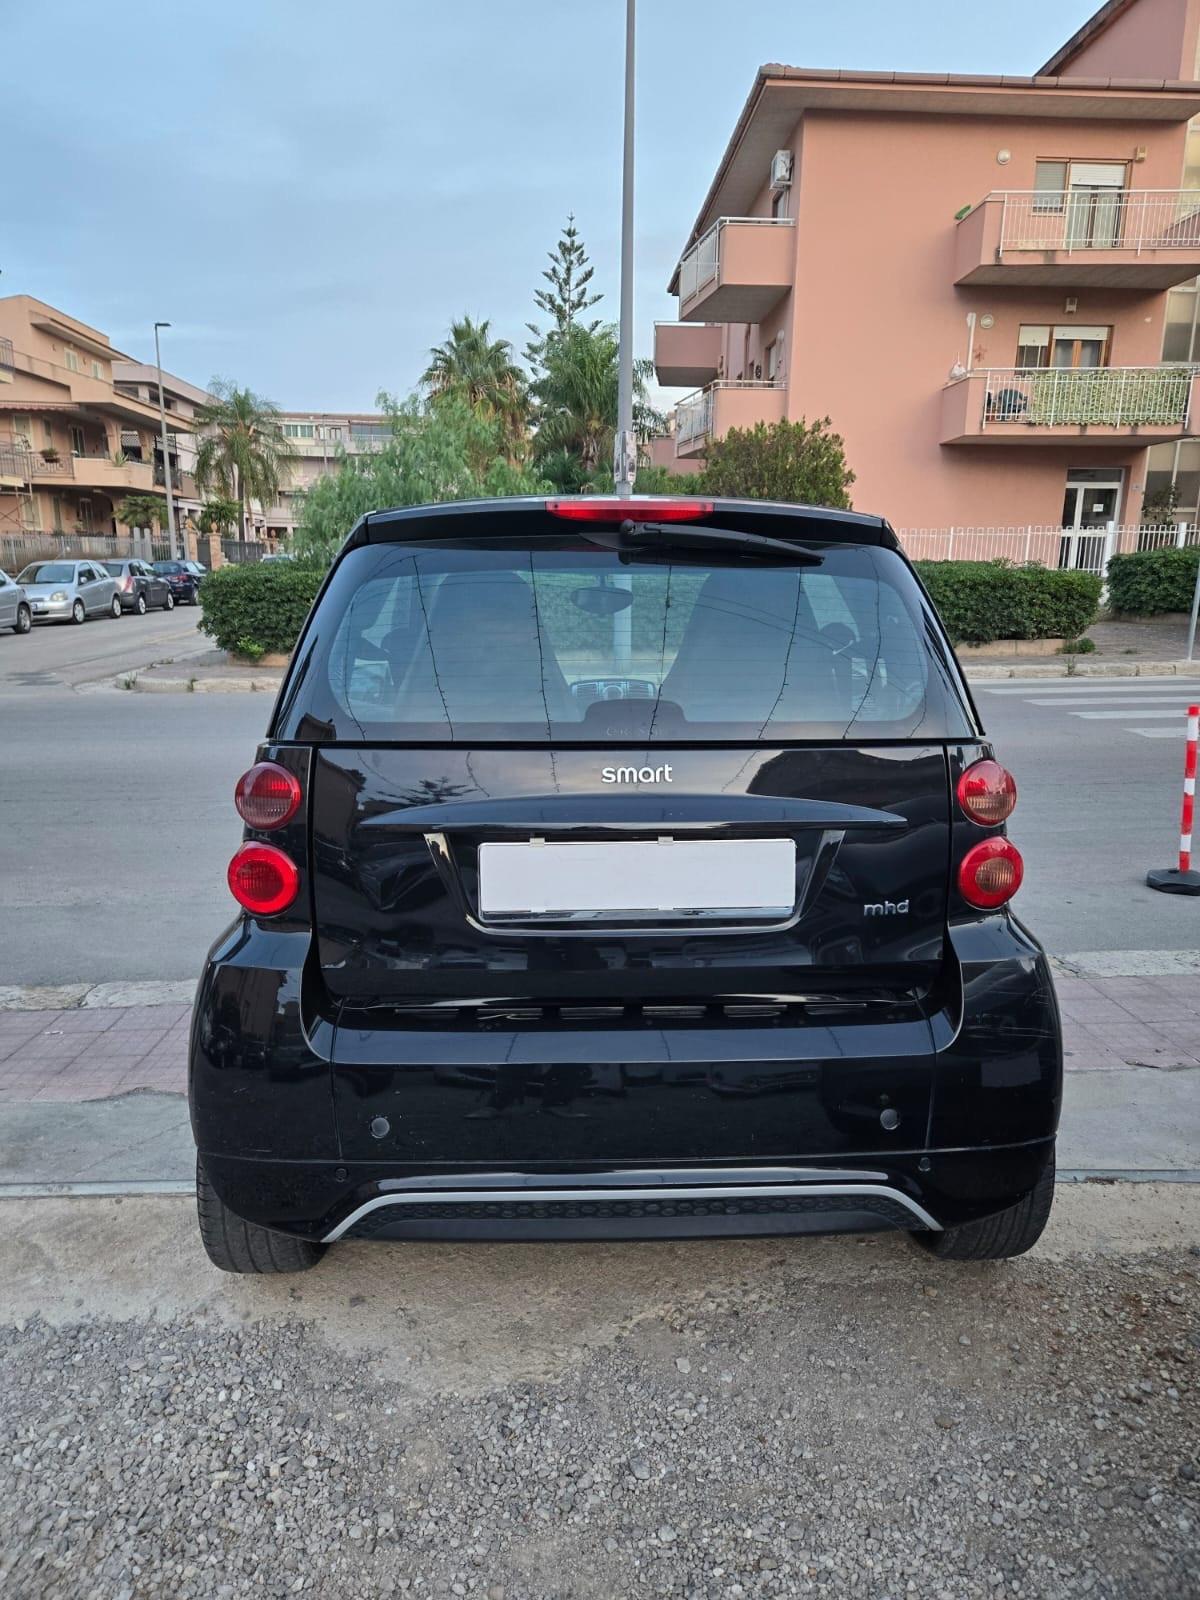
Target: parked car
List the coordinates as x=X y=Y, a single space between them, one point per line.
x=139 y=587
x=185 y=585
x=69 y=591
x=197 y=569
x=531 y=946
x=14 y=606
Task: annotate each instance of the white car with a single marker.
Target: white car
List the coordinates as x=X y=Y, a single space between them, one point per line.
x=14 y=606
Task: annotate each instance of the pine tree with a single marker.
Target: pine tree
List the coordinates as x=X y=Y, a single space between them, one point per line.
x=569 y=276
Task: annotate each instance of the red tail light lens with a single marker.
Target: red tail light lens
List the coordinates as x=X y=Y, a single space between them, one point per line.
x=267 y=796
x=263 y=879
x=127 y=585
x=990 y=873
x=987 y=793
x=598 y=508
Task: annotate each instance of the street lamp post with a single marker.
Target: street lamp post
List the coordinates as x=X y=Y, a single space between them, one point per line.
x=175 y=536
x=625 y=444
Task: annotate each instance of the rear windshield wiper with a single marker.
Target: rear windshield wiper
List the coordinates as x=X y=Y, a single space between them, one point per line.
x=685 y=536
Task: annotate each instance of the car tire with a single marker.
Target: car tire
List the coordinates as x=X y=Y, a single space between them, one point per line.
x=235 y=1245
x=139 y=605
x=78 y=612
x=1009 y=1233
x=114 y=610
x=24 y=620
x=195 y=600
x=169 y=602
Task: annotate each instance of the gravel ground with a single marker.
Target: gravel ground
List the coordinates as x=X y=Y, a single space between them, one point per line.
x=829 y=1417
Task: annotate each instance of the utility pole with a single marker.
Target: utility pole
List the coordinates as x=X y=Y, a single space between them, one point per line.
x=175 y=536
x=625 y=443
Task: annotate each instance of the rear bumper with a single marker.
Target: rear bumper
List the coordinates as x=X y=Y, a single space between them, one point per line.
x=618 y=1134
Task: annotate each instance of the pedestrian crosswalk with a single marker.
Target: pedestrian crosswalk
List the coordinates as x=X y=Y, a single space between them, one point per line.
x=1153 y=708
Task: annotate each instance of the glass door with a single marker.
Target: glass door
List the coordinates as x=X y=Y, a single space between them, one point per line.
x=1090 y=507
x=1094 y=201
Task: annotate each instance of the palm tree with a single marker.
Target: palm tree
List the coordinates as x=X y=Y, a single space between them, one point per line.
x=241 y=452
x=472 y=366
x=577 y=401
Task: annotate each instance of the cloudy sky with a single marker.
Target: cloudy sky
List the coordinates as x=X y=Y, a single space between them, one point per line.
x=309 y=193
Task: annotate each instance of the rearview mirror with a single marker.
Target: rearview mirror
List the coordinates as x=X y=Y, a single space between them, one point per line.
x=602 y=602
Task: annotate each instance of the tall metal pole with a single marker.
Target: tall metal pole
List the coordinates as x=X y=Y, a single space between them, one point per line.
x=175 y=536
x=625 y=444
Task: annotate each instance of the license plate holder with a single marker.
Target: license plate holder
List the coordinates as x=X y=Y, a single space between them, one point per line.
x=664 y=879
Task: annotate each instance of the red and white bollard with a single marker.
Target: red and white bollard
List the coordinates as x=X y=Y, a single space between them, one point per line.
x=1183 y=879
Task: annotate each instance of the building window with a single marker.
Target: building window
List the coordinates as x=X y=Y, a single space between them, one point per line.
x=47 y=435
x=85 y=513
x=779 y=203
x=77 y=440
x=97 y=370
x=1179 y=326
x=297 y=430
x=70 y=358
x=1049 y=182
x=1039 y=345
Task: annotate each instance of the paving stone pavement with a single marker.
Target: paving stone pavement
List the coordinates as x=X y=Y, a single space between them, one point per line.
x=88 y=1052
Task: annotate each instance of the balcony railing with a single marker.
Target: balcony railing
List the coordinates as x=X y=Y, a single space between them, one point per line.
x=702 y=264
x=14 y=462
x=57 y=465
x=1134 y=220
x=6 y=353
x=1113 y=397
x=696 y=413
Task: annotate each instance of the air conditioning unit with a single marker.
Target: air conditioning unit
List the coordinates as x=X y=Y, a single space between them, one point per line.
x=781 y=169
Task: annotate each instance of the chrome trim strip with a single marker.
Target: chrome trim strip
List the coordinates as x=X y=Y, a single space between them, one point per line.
x=675 y=1179
x=691 y=1192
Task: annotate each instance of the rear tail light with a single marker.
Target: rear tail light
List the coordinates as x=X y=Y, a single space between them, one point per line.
x=987 y=792
x=127 y=584
x=603 y=508
x=990 y=873
x=267 y=796
x=263 y=879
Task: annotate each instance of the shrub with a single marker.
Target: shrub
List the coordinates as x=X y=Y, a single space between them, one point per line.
x=1152 y=581
x=980 y=601
x=797 y=461
x=255 y=609
x=1077 y=647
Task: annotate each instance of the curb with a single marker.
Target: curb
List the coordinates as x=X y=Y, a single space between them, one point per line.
x=86 y=996
x=981 y=672
x=1072 y=667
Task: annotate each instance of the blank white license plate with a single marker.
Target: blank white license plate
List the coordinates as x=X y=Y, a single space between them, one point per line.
x=639 y=876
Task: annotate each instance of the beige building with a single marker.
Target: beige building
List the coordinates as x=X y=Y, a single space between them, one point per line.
x=316 y=441
x=78 y=432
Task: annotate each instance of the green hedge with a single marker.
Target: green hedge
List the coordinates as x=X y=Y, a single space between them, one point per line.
x=1151 y=581
x=980 y=601
x=255 y=610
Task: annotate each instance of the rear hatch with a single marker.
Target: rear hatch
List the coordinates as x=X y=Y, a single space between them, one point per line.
x=667 y=798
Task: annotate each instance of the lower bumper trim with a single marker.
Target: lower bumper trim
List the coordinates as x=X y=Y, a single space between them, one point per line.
x=661 y=1202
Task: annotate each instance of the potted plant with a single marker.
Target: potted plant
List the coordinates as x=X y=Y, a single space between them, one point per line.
x=50 y=455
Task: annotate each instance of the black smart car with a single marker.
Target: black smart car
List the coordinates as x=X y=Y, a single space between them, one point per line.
x=184 y=584
x=623 y=869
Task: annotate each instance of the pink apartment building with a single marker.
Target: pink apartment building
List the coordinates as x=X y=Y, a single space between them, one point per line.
x=977 y=278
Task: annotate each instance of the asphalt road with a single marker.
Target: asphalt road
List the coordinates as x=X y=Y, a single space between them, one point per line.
x=116 y=822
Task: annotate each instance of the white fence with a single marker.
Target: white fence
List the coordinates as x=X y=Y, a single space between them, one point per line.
x=1099 y=219
x=1083 y=549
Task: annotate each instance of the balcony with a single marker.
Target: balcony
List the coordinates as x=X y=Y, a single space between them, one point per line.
x=1051 y=405
x=1106 y=238
x=710 y=413
x=687 y=355
x=738 y=271
x=93 y=472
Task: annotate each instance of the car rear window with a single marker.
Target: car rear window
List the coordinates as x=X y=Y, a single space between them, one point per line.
x=558 y=640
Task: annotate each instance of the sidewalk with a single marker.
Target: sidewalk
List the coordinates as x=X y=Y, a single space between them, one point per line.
x=112 y=1062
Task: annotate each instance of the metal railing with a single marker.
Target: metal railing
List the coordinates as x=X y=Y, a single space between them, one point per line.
x=6 y=353
x=702 y=263
x=242 y=550
x=1113 y=397
x=58 y=465
x=1045 y=544
x=694 y=413
x=17 y=550
x=1099 y=219
x=15 y=462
